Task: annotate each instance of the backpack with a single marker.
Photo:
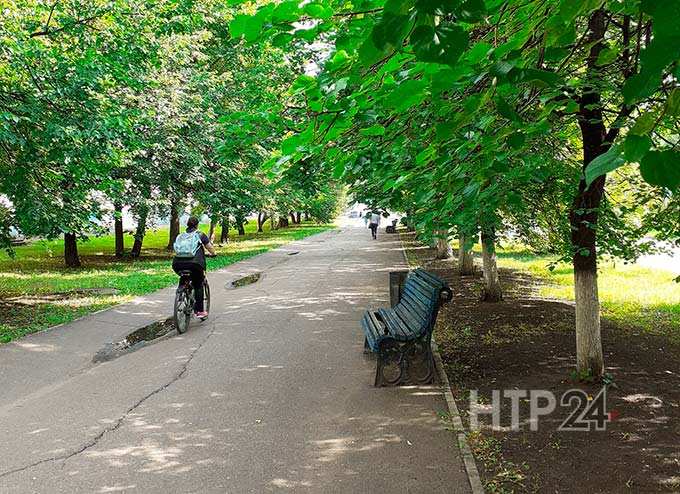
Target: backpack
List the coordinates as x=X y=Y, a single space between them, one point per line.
x=187 y=244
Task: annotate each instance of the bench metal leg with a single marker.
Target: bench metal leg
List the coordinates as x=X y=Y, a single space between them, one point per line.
x=367 y=347
x=420 y=361
x=391 y=363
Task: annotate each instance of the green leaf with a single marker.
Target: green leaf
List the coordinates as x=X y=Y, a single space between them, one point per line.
x=390 y=32
x=338 y=169
x=661 y=168
x=506 y=110
x=406 y=95
x=246 y=26
x=399 y=7
x=607 y=56
x=435 y=7
x=472 y=11
x=374 y=130
x=282 y=39
x=673 y=103
x=603 y=164
x=339 y=60
x=479 y=51
x=318 y=10
x=540 y=78
x=644 y=124
x=635 y=147
x=516 y=140
x=443 y=44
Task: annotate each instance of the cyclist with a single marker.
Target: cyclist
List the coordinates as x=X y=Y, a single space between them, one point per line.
x=190 y=250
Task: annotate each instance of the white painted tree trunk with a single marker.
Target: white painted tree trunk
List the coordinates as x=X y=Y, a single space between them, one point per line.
x=589 y=358
x=492 y=286
x=442 y=245
x=466 y=264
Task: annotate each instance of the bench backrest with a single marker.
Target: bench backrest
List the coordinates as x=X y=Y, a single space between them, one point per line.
x=421 y=297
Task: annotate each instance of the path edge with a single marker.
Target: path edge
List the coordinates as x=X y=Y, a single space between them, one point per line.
x=458 y=428
x=141 y=298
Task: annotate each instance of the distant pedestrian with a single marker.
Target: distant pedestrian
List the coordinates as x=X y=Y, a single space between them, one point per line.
x=373 y=224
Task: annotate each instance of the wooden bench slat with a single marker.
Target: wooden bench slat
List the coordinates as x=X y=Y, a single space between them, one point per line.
x=416 y=291
x=434 y=279
x=427 y=288
x=418 y=313
x=410 y=317
x=395 y=324
x=413 y=306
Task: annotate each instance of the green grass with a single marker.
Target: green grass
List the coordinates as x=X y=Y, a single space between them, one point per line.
x=630 y=295
x=37 y=291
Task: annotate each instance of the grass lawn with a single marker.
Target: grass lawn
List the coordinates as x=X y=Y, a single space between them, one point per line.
x=630 y=295
x=37 y=291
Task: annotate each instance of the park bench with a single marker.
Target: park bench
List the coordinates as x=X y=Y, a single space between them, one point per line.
x=401 y=335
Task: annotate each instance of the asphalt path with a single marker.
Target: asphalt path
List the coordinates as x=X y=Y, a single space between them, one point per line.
x=271 y=394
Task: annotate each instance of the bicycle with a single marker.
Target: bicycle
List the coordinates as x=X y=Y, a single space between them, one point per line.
x=185 y=300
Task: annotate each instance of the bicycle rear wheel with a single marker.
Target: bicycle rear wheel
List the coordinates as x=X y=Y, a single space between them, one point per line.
x=206 y=296
x=183 y=309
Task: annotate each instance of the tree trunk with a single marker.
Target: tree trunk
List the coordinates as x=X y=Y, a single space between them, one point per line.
x=298 y=217
x=272 y=221
x=492 y=288
x=306 y=215
x=174 y=224
x=224 y=235
x=292 y=217
x=239 y=225
x=140 y=231
x=583 y=216
x=71 y=250
x=283 y=221
x=118 y=229
x=443 y=248
x=466 y=263
x=261 y=218
x=589 y=358
x=211 y=231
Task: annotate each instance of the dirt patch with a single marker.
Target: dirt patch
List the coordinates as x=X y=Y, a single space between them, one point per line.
x=525 y=342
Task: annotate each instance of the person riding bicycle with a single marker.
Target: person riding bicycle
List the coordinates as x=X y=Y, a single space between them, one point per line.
x=190 y=256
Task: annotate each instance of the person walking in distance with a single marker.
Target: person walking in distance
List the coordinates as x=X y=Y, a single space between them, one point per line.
x=373 y=224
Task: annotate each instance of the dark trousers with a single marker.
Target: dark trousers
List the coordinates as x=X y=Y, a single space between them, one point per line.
x=197 y=277
x=374 y=229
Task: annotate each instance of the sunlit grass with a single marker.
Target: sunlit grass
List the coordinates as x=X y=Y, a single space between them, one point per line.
x=630 y=295
x=38 y=270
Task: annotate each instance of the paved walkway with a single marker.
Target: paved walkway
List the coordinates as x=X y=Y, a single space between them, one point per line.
x=272 y=393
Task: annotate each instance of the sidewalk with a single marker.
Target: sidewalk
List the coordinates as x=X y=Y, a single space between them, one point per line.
x=272 y=393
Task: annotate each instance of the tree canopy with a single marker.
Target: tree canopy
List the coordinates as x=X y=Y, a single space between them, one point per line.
x=554 y=122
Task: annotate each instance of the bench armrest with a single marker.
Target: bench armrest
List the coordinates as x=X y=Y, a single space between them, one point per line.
x=445 y=295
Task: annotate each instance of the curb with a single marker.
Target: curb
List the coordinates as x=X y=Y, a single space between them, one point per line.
x=468 y=458
x=458 y=428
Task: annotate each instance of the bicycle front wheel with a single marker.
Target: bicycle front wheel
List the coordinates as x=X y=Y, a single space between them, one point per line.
x=182 y=312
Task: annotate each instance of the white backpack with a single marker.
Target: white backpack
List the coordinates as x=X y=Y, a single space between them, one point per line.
x=187 y=244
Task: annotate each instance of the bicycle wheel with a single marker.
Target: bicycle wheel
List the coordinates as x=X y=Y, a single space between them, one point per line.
x=206 y=296
x=183 y=308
